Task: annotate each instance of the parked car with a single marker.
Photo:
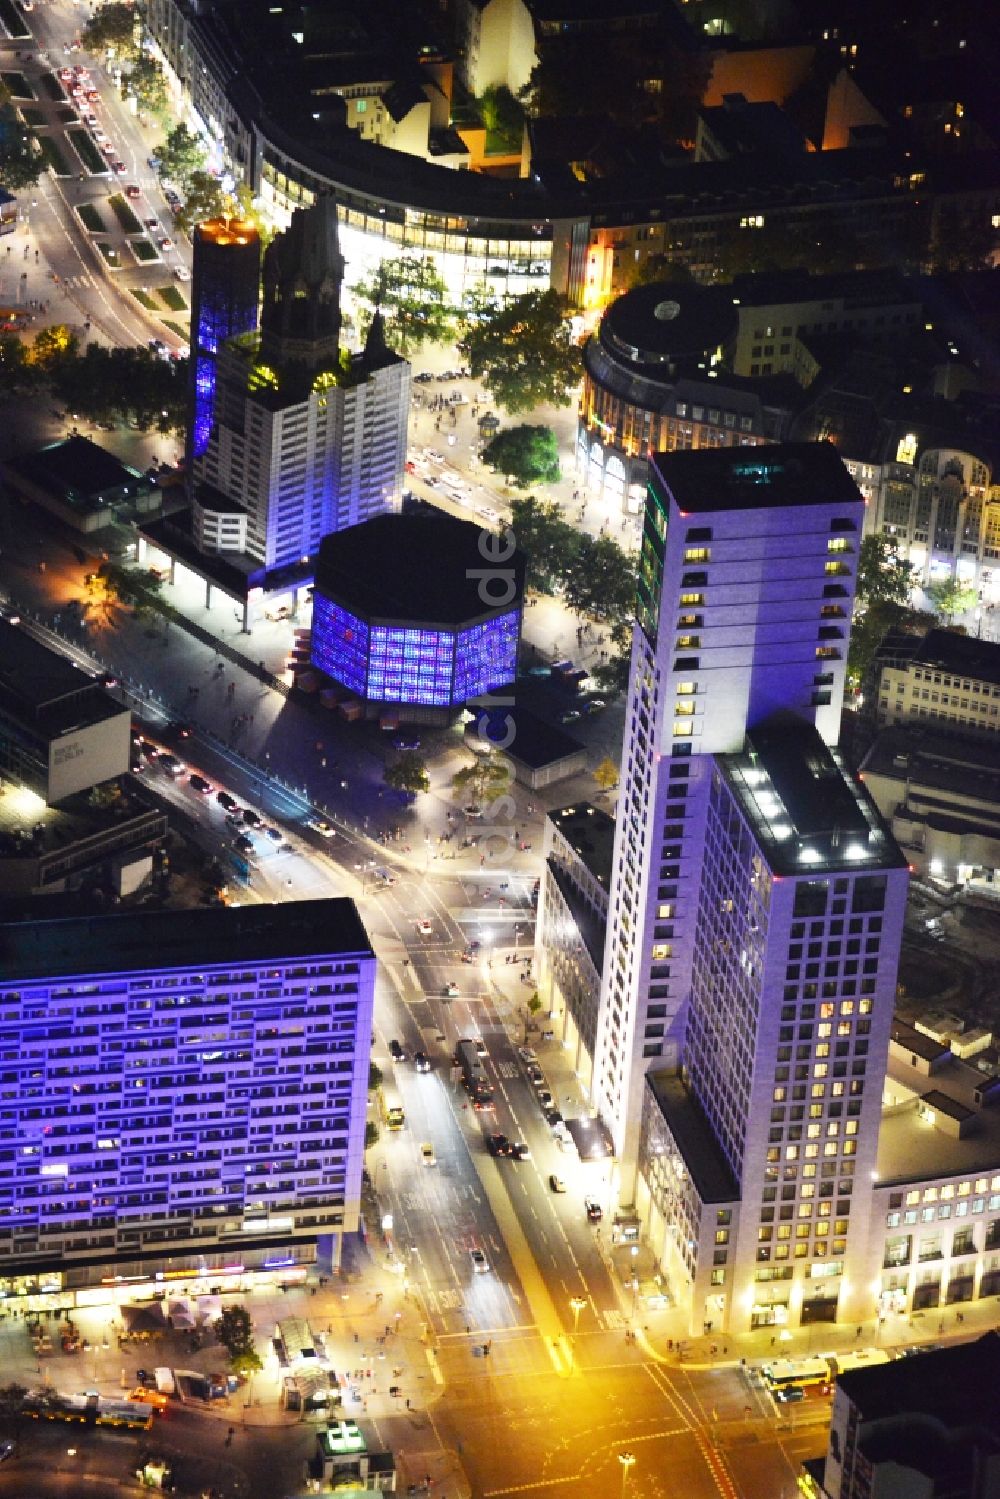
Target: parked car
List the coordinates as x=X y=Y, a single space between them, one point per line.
x=594 y=1210
x=396 y=1051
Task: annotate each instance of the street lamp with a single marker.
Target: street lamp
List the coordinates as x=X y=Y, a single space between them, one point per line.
x=627 y=1460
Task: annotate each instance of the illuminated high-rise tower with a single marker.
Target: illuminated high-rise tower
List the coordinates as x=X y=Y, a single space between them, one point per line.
x=224 y=291
x=305 y=438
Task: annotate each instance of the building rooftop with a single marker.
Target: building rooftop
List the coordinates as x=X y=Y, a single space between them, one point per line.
x=961 y=654
x=669 y=320
x=425 y=568
x=956 y=1386
x=709 y=1169
x=782 y=474
x=46 y=693
x=954 y=764
x=536 y=743
x=37 y=946
x=808 y=813
x=590 y=832
x=78 y=471
x=911 y=1148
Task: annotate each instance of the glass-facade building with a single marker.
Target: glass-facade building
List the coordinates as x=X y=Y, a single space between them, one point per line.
x=224 y=295
x=181 y=1091
x=410 y=663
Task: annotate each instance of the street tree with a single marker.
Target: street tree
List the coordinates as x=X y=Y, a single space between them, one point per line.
x=489 y=775
x=606 y=774
x=146 y=82
x=17 y=373
x=602 y=581
x=113 y=28
x=523 y=353
x=204 y=198
x=181 y=155
x=408 y=774
x=371 y=1134
x=374 y=1077
x=54 y=348
x=246 y=1363
x=20 y=160
x=526 y=455
x=234 y=1330
x=881 y=602
x=612 y=675
x=951 y=597
x=550 y=543
x=412 y=298
x=884 y=576
x=12 y=1397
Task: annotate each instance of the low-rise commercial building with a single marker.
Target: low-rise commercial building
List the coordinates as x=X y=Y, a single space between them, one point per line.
x=81 y=484
x=571 y=922
x=953 y=680
x=60 y=732
x=941 y=795
x=918 y=1428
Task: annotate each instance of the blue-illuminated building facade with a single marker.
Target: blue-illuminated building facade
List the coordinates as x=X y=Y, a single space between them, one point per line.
x=181 y=1093
x=399 y=663
x=225 y=290
x=398 y=620
x=303 y=438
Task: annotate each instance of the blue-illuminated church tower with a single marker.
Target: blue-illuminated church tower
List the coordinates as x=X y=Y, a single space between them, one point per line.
x=295 y=437
x=225 y=288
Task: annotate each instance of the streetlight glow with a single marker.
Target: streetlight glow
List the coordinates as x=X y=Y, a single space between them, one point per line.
x=627 y=1460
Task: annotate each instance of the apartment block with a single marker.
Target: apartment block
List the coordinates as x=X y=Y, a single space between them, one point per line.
x=180 y=1093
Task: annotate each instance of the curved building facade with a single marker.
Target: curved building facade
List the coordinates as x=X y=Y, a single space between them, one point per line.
x=655 y=379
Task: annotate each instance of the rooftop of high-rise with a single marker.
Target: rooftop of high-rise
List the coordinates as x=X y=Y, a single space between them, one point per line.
x=778 y=475
x=808 y=813
x=39 y=940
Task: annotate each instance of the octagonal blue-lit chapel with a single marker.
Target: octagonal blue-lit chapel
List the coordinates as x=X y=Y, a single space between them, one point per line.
x=417 y=610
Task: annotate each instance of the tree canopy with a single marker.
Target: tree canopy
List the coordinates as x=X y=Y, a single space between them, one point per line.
x=881 y=602
x=602 y=580
x=883 y=575
x=204 y=198
x=527 y=455
x=412 y=298
x=523 y=352
x=146 y=82
x=951 y=597
x=487 y=776
x=550 y=543
x=135 y=385
x=113 y=27
x=20 y=163
x=180 y=156
x=408 y=774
